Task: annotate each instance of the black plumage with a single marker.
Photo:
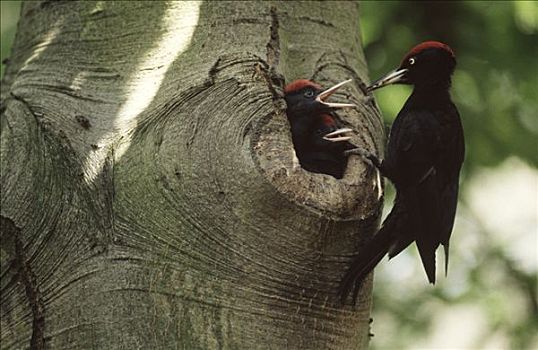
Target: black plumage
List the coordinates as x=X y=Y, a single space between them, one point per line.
x=318 y=137
x=424 y=156
x=318 y=155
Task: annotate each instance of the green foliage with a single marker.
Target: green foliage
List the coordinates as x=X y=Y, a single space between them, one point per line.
x=10 y=16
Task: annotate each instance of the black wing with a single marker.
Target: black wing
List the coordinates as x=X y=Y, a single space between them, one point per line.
x=412 y=157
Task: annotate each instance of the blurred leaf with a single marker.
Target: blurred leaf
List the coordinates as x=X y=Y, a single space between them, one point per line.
x=9 y=16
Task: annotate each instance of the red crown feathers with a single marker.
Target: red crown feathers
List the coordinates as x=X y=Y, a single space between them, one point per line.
x=428 y=45
x=300 y=84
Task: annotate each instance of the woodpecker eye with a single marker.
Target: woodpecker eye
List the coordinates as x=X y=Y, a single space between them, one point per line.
x=309 y=93
x=412 y=61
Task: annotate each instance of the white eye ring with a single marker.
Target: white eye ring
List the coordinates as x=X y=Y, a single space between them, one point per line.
x=412 y=61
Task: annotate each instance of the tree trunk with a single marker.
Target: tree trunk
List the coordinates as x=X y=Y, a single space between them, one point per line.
x=151 y=197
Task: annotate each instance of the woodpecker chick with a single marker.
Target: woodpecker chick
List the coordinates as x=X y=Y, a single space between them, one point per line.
x=318 y=137
x=423 y=160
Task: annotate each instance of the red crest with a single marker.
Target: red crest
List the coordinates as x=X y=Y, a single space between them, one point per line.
x=428 y=45
x=299 y=85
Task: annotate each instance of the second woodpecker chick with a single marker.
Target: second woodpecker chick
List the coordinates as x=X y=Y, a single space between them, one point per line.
x=318 y=137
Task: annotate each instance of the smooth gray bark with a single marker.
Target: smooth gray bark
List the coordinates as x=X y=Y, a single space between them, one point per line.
x=151 y=197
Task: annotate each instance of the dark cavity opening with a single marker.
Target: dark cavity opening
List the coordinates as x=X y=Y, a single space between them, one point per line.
x=315 y=153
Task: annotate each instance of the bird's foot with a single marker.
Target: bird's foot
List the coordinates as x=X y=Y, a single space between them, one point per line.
x=365 y=155
x=338 y=135
x=358 y=151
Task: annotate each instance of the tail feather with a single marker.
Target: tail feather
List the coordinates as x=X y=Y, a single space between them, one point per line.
x=365 y=262
x=426 y=209
x=400 y=245
x=374 y=250
x=427 y=255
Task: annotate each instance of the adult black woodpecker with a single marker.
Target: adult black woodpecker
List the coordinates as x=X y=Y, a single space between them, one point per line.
x=423 y=160
x=318 y=137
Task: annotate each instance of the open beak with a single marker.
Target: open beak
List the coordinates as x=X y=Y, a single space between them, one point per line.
x=325 y=94
x=338 y=135
x=394 y=77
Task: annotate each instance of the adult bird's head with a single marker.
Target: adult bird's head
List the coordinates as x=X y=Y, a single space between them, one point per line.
x=307 y=98
x=429 y=64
